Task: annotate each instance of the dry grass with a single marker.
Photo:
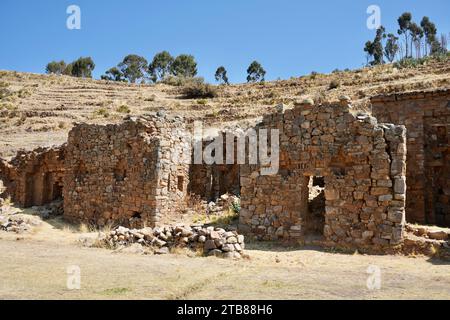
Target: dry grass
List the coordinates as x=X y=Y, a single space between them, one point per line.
x=35 y=268
x=7 y=201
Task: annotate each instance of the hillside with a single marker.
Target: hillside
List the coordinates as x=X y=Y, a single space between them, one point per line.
x=39 y=110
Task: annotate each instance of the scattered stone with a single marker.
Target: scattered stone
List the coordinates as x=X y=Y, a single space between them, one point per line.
x=437 y=235
x=135 y=248
x=345 y=100
x=232 y=240
x=163 y=250
x=15 y=224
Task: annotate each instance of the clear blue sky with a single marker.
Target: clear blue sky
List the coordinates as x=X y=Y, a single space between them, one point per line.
x=288 y=37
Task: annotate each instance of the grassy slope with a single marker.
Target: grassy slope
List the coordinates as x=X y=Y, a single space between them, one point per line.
x=41 y=109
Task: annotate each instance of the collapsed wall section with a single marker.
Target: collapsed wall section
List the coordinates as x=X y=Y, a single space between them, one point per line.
x=363 y=167
x=130 y=173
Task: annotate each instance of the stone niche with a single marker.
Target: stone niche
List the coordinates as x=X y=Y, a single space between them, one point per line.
x=426 y=116
x=359 y=163
x=131 y=173
x=34 y=178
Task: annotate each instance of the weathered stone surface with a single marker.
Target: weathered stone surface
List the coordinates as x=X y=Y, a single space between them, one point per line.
x=210 y=245
x=232 y=240
x=359 y=160
x=426 y=117
x=34 y=178
x=131 y=173
x=438 y=235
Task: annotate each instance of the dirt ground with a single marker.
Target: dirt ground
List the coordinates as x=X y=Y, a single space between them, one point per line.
x=34 y=266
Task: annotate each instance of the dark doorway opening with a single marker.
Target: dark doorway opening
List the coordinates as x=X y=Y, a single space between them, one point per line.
x=57 y=191
x=315 y=217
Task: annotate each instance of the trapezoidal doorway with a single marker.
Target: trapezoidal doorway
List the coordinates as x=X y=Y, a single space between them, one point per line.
x=314 y=219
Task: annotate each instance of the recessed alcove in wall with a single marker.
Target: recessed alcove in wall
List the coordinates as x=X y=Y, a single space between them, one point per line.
x=120 y=171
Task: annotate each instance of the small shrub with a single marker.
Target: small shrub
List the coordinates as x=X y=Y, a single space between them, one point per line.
x=236 y=207
x=414 y=63
x=181 y=81
x=202 y=102
x=123 y=109
x=314 y=75
x=21 y=120
x=333 y=85
x=116 y=291
x=4 y=91
x=102 y=112
x=199 y=90
x=153 y=97
x=8 y=106
x=23 y=93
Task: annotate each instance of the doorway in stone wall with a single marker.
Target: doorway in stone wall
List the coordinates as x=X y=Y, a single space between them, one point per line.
x=315 y=216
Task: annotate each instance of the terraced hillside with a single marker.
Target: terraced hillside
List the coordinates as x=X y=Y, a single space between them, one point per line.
x=39 y=110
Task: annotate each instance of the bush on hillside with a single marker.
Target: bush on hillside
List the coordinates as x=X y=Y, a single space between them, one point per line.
x=198 y=90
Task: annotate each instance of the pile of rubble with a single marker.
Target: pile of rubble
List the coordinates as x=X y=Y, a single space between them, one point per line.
x=12 y=219
x=14 y=224
x=430 y=241
x=222 y=203
x=55 y=208
x=209 y=240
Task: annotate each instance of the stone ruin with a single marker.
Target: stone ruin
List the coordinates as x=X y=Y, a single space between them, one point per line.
x=363 y=167
x=34 y=178
x=426 y=116
x=132 y=173
x=139 y=171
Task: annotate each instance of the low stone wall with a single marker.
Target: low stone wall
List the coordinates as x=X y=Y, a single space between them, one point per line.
x=209 y=240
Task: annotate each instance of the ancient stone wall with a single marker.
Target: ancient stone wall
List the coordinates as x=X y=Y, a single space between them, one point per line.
x=210 y=181
x=363 y=165
x=426 y=116
x=130 y=173
x=34 y=178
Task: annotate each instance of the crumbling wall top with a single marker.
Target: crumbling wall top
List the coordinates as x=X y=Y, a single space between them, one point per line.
x=411 y=95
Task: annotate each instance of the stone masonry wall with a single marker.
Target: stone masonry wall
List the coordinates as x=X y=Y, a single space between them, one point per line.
x=363 y=165
x=34 y=178
x=210 y=181
x=426 y=116
x=131 y=173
